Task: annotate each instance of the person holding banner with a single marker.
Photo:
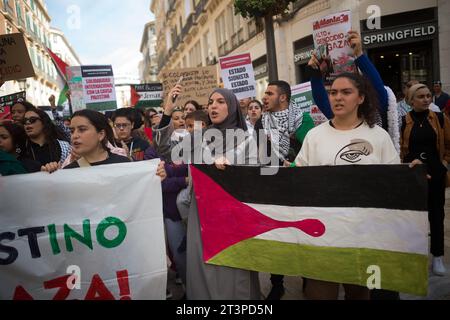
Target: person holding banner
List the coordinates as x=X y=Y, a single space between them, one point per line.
x=350 y=138
x=205 y=281
x=45 y=143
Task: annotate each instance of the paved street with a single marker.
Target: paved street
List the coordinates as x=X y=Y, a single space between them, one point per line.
x=439 y=288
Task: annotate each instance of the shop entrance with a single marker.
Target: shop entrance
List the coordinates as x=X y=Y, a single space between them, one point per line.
x=399 y=64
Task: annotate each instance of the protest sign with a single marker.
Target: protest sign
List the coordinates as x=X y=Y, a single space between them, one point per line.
x=303 y=97
x=15 y=62
x=99 y=92
x=238 y=75
x=198 y=83
x=147 y=95
x=75 y=238
x=331 y=33
x=6 y=103
x=75 y=82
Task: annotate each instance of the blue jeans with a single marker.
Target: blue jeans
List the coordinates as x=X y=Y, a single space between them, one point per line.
x=176 y=233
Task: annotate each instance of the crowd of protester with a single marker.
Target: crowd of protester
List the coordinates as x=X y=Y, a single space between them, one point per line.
x=414 y=130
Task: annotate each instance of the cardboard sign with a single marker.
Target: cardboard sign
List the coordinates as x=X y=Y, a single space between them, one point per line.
x=198 y=83
x=238 y=75
x=76 y=239
x=303 y=97
x=7 y=102
x=147 y=95
x=15 y=62
x=330 y=37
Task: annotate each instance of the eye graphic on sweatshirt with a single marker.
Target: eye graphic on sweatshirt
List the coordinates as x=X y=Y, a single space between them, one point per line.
x=354 y=151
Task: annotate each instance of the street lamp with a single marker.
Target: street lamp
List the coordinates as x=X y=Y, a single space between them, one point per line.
x=22 y=84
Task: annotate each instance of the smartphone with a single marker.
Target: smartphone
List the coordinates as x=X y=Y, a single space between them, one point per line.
x=322 y=52
x=174 y=97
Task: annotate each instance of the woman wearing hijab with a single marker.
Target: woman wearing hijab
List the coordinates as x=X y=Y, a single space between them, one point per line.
x=204 y=281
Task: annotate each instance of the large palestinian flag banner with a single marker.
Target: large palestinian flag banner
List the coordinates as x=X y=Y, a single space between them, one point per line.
x=326 y=223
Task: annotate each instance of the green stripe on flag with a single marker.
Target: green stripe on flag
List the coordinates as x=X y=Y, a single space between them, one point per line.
x=62 y=96
x=402 y=272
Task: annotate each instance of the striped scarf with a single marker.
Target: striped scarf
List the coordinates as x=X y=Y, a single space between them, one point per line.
x=279 y=126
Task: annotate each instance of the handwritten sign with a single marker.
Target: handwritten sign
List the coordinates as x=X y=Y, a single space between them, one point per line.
x=15 y=62
x=198 y=83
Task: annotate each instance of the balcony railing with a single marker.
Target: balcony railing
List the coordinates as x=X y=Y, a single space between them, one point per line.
x=171 y=8
x=199 y=9
x=187 y=27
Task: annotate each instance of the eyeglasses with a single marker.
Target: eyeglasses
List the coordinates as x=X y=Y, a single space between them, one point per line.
x=31 y=120
x=122 y=126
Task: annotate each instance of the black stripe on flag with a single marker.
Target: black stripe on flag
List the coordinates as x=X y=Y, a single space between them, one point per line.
x=365 y=186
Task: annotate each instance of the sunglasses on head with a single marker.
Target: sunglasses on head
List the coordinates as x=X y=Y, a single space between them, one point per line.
x=31 y=120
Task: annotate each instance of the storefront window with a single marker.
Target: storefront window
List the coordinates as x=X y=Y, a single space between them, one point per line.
x=399 y=64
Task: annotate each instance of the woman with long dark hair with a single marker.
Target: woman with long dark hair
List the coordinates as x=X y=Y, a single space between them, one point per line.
x=13 y=141
x=350 y=137
x=91 y=133
x=45 y=142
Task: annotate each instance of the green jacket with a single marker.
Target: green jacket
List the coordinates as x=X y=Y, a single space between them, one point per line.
x=9 y=165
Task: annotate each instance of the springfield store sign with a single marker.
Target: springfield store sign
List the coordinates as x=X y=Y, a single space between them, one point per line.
x=403 y=34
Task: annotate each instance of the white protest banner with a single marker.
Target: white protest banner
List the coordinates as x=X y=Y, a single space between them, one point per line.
x=15 y=62
x=198 y=83
x=238 y=75
x=303 y=97
x=331 y=31
x=88 y=234
x=99 y=91
x=148 y=95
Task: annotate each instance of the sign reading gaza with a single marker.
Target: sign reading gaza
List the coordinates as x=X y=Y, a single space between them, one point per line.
x=238 y=75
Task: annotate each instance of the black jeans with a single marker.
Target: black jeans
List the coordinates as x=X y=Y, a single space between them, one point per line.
x=436 y=214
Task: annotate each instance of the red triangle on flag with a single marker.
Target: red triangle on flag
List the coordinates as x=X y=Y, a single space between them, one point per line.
x=225 y=221
x=135 y=97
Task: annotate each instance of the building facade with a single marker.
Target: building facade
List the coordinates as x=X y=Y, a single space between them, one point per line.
x=148 y=67
x=406 y=39
x=62 y=48
x=31 y=18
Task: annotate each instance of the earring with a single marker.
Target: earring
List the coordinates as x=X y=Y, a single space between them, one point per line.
x=18 y=150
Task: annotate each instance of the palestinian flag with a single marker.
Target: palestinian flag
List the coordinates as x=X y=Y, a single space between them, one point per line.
x=325 y=223
x=61 y=67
